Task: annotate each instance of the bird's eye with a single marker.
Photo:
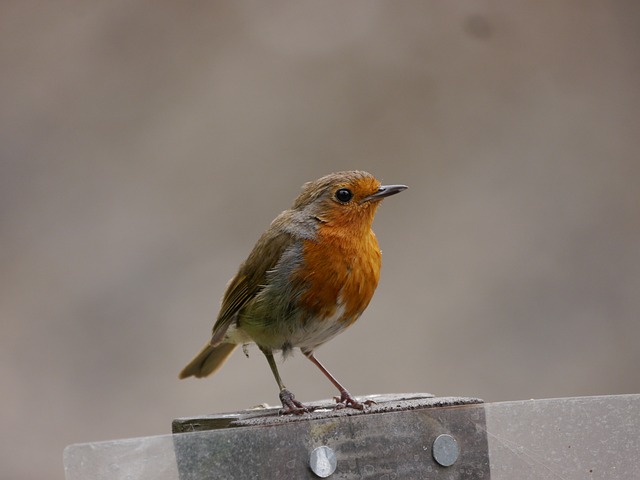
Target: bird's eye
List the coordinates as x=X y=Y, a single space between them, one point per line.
x=344 y=195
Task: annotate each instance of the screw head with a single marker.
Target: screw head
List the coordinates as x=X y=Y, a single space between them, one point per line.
x=323 y=461
x=445 y=450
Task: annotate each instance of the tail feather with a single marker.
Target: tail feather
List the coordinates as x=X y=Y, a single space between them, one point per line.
x=208 y=361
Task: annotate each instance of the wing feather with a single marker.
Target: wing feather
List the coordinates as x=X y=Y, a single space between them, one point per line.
x=250 y=279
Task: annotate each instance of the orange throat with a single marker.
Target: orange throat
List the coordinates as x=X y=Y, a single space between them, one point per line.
x=342 y=272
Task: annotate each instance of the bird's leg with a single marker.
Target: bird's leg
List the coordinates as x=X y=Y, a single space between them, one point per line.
x=345 y=399
x=289 y=402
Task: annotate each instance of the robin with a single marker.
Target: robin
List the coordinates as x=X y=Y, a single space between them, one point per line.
x=310 y=275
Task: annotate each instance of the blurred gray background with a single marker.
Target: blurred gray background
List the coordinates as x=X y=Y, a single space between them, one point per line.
x=144 y=146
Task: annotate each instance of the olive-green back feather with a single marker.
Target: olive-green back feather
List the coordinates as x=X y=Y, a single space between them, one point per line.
x=250 y=279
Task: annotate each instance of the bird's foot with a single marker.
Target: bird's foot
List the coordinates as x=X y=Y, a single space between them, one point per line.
x=346 y=400
x=291 y=405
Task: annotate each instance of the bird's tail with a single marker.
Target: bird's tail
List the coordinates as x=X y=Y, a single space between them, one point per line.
x=208 y=361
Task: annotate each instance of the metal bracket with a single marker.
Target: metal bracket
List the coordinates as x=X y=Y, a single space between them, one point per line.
x=401 y=436
x=406 y=436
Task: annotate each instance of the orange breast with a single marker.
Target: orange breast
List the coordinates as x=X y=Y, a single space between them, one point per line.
x=339 y=272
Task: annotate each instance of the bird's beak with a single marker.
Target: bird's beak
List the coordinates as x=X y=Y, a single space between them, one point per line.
x=384 y=191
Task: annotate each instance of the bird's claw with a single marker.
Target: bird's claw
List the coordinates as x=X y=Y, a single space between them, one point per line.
x=346 y=400
x=291 y=406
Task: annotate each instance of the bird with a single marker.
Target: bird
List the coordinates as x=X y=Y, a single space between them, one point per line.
x=310 y=275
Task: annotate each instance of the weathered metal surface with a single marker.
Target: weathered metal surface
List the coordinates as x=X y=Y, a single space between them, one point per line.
x=324 y=409
x=382 y=442
x=594 y=438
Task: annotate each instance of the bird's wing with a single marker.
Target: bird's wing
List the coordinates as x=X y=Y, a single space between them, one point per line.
x=250 y=279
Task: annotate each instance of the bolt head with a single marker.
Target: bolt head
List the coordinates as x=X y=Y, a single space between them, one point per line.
x=323 y=461
x=445 y=450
